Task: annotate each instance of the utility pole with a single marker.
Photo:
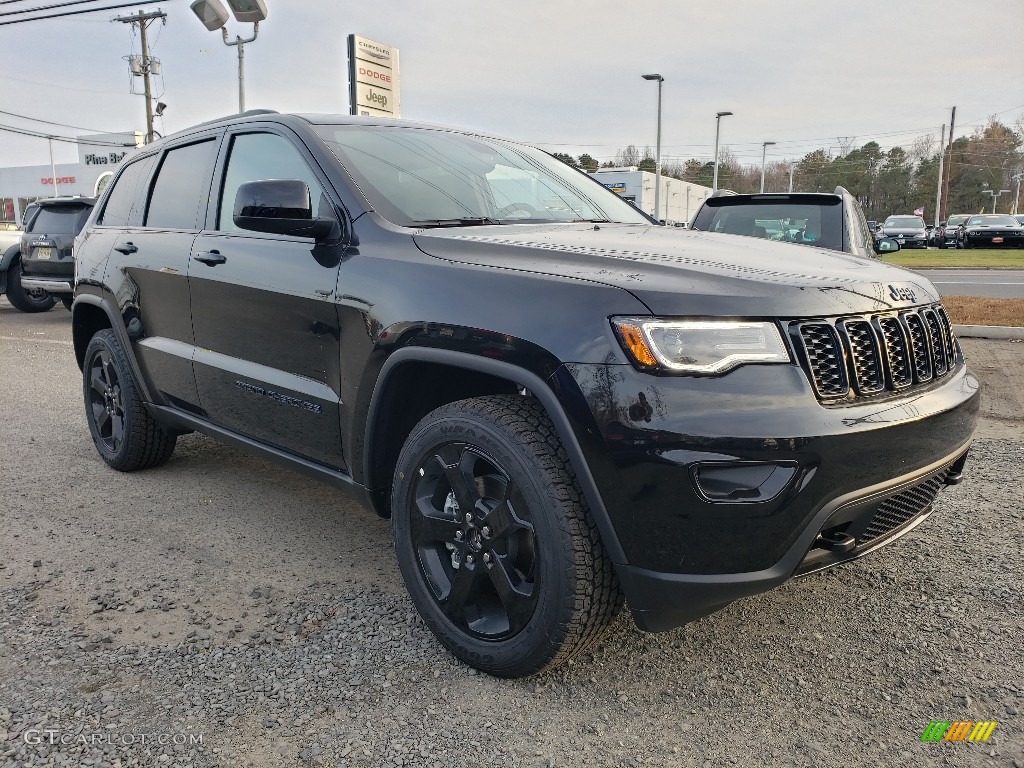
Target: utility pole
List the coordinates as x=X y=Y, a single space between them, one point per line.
x=949 y=165
x=792 y=167
x=143 y=19
x=53 y=169
x=938 y=189
x=1016 y=198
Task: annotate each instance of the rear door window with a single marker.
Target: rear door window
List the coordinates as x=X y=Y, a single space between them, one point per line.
x=182 y=186
x=127 y=199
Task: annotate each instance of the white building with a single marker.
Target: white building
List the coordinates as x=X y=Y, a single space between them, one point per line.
x=679 y=199
x=97 y=154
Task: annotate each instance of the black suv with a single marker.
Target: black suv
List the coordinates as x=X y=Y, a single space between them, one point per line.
x=47 y=246
x=558 y=402
x=835 y=221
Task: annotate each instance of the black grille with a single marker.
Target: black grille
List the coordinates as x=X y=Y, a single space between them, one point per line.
x=867 y=356
x=825 y=359
x=896 y=349
x=902 y=508
x=867 y=367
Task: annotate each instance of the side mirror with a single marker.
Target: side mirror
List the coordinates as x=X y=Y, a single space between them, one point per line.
x=886 y=245
x=280 y=207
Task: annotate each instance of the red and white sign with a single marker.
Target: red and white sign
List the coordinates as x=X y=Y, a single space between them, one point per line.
x=48 y=180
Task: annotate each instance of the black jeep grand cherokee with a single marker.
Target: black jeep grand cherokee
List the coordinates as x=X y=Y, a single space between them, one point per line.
x=558 y=402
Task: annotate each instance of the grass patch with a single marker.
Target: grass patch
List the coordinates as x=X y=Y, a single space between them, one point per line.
x=1011 y=258
x=980 y=310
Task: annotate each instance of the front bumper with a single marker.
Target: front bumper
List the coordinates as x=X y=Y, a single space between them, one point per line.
x=670 y=456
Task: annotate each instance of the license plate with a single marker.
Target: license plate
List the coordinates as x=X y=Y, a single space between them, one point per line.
x=42 y=253
x=997 y=239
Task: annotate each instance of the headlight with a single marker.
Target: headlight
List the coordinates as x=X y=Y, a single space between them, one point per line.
x=707 y=347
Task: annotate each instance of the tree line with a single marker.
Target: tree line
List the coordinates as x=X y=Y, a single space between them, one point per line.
x=885 y=182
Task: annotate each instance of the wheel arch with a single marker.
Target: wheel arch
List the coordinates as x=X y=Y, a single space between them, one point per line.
x=393 y=413
x=12 y=253
x=89 y=314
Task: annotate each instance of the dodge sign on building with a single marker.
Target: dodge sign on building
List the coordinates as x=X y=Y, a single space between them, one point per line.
x=372 y=78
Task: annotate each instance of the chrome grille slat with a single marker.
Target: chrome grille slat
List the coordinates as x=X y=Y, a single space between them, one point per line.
x=866 y=356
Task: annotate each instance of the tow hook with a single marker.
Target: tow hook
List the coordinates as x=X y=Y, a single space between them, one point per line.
x=836 y=541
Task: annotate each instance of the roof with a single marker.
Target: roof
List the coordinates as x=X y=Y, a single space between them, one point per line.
x=56 y=202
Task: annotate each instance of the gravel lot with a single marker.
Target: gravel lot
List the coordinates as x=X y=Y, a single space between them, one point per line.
x=223 y=599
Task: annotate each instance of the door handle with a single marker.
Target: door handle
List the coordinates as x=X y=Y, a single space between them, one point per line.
x=211 y=258
x=126 y=248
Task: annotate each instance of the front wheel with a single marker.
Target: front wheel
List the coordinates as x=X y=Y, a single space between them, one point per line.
x=127 y=437
x=494 y=539
x=26 y=299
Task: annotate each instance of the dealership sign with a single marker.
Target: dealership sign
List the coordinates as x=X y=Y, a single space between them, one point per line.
x=372 y=78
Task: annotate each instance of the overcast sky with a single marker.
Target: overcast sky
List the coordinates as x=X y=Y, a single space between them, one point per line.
x=561 y=75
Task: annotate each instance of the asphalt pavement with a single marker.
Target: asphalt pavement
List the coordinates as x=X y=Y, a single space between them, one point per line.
x=995 y=283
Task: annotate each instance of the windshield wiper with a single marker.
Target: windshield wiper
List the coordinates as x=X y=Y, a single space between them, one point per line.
x=466 y=221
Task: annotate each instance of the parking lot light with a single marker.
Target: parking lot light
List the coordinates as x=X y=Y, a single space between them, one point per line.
x=718 y=123
x=657 y=151
x=764 y=150
x=214 y=16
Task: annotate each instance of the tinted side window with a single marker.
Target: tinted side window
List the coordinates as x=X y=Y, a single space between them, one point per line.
x=181 y=186
x=259 y=157
x=125 y=196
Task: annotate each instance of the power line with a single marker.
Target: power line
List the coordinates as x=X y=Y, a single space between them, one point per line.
x=50 y=122
x=46 y=7
x=65 y=139
x=84 y=10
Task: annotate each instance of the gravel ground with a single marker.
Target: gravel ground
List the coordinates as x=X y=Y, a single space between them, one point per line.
x=221 y=611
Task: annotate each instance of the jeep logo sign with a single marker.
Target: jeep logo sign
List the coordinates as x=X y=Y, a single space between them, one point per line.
x=372 y=78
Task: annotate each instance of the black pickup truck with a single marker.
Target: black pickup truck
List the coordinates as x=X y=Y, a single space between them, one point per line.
x=560 y=404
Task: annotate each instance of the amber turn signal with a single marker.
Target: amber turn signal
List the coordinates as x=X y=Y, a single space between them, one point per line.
x=635 y=344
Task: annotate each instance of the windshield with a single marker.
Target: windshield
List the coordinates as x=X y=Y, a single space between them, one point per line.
x=818 y=224
x=904 y=222
x=427 y=177
x=956 y=221
x=992 y=220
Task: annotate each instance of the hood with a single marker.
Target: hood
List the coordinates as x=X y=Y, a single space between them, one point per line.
x=690 y=273
x=904 y=230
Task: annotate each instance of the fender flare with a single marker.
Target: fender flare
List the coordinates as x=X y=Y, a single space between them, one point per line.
x=114 y=318
x=9 y=255
x=538 y=388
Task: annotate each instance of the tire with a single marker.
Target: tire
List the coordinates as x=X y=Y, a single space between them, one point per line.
x=67 y=301
x=534 y=585
x=126 y=436
x=25 y=300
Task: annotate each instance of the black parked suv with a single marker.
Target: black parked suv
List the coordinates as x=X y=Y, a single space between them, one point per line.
x=558 y=402
x=47 y=246
x=835 y=221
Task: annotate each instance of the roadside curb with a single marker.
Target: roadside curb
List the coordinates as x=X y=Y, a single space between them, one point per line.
x=988 y=332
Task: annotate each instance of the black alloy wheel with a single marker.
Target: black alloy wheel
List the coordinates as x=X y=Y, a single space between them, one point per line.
x=126 y=435
x=106 y=409
x=494 y=539
x=474 y=543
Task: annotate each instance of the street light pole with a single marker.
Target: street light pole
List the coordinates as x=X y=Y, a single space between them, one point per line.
x=1016 y=198
x=764 y=152
x=240 y=42
x=657 y=151
x=995 y=196
x=718 y=124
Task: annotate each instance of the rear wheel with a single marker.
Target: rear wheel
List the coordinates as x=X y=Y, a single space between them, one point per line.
x=495 y=541
x=26 y=299
x=126 y=436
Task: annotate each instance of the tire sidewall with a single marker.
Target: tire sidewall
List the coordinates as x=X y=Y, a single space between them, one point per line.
x=542 y=635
